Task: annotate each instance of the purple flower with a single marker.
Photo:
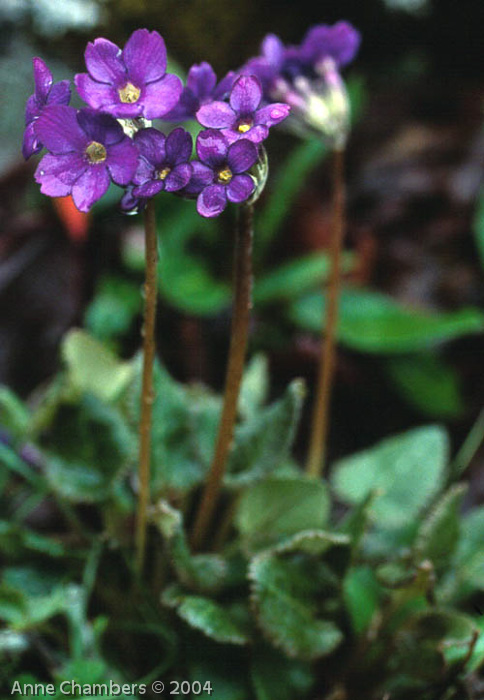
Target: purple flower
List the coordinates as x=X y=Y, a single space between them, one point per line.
x=86 y=151
x=129 y=83
x=201 y=88
x=46 y=93
x=307 y=78
x=339 y=42
x=163 y=162
x=242 y=118
x=221 y=174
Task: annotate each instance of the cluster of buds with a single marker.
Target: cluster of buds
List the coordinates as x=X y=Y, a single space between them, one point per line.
x=112 y=139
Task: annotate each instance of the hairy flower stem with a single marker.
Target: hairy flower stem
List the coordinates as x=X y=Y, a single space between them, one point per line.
x=235 y=367
x=320 y=417
x=147 y=383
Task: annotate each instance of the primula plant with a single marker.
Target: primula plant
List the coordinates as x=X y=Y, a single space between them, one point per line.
x=185 y=545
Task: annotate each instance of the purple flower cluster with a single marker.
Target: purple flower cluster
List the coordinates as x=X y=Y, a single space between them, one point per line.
x=307 y=77
x=112 y=139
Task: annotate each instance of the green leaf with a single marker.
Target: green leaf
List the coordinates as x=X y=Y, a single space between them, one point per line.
x=438 y=533
x=263 y=444
x=14 y=415
x=432 y=642
x=428 y=384
x=202 y=572
x=88 y=446
x=289 y=592
x=185 y=423
x=92 y=368
x=405 y=471
x=375 y=323
x=362 y=595
x=294 y=278
x=212 y=619
x=479 y=228
x=116 y=303
x=278 y=508
x=466 y=575
x=29 y=597
x=275 y=676
x=254 y=388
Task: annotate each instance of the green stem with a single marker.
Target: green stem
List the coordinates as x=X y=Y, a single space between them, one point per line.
x=147 y=383
x=320 y=418
x=235 y=367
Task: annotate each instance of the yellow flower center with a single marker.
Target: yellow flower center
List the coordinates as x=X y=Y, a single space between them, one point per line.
x=96 y=152
x=163 y=173
x=224 y=176
x=129 y=93
x=243 y=127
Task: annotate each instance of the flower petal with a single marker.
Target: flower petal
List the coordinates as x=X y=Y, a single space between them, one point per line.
x=242 y=155
x=32 y=109
x=179 y=177
x=96 y=95
x=273 y=50
x=122 y=161
x=246 y=95
x=225 y=85
x=102 y=128
x=60 y=93
x=31 y=143
x=160 y=97
x=211 y=147
x=339 y=42
x=212 y=201
x=201 y=80
x=66 y=168
x=216 y=115
x=256 y=134
x=104 y=62
x=185 y=109
x=58 y=129
x=201 y=176
x=272 y=114
x=144 y=56
x=90 y=187
x=129 y=203
x=43 y=79
x=179 y=146
x=240 y=188
x=151 y=144
x=149 y=189
x=144 y=171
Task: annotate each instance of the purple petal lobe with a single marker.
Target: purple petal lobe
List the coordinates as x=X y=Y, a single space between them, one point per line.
x=100 y=127
x=185 y=108
x=257 y=134
x=211 y=147
x=96 y=95
x=161 y=96
x=179 y=177
x=246 y=95
x=241 y=156
x=60 y=93
x=216 y=115
x=201 y=176
x=43 y=79
x=145 y=57
x=240 y=188
x=149 y=189
x=32 y=109
x=273 y=50
x=122 y=161
x=58 y=129
x=272 y=114
x=179 y=146
x=66 y=168
x=151 y=144
x=201 y=80
x=104 y=62
x=339 y=42
x=90 y=187
x=145 y=171
x=212 y=201
x=30 y=144
x=225 y=85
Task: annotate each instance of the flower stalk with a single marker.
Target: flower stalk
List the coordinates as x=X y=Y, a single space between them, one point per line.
x=321 y=413
x=147 y=393
x=237 y=352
